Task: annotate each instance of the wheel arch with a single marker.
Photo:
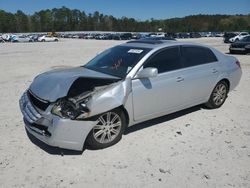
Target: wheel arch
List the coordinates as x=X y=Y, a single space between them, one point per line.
x=227 y=82
x=126 y=114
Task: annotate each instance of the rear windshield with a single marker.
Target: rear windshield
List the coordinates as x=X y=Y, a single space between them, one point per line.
x=117 y=61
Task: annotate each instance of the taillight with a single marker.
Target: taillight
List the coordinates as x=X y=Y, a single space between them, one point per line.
x=238 y=63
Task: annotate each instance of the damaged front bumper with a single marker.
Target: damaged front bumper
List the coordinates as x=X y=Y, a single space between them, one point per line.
x=53 y=130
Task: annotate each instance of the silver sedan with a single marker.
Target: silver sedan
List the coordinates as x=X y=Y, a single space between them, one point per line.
x=122 y=86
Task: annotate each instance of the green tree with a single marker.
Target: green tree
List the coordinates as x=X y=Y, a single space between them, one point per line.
x=65 y=19
x=22 y=22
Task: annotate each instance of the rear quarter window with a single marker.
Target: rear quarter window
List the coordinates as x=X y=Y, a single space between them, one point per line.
x=196 y=55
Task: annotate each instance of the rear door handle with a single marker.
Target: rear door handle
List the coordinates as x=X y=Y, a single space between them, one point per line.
x=214 y=71
x=179 y=79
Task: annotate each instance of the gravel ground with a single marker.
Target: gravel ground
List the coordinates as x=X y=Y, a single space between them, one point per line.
x=192 y=148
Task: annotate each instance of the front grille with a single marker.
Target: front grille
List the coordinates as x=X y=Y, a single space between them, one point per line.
x=29 y=112
x=39 y=103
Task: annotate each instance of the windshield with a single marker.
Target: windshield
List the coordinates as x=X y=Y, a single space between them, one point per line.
x=245 y=39
x=117 y=61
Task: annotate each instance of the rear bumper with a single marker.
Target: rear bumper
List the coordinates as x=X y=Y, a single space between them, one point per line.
x=234 y=78
x=53 y=130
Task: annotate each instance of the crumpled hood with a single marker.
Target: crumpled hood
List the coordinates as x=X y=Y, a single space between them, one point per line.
x=56 y=84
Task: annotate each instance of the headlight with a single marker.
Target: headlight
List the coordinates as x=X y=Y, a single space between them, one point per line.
x=69 y=110
x=56 y=110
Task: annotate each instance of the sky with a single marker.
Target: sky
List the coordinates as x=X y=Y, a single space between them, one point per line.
x=138 y=9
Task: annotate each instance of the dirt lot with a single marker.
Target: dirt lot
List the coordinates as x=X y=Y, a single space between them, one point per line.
x=193 y=148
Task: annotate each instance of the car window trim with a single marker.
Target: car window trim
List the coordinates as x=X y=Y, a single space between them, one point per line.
x=183 y=61
x=155 y=53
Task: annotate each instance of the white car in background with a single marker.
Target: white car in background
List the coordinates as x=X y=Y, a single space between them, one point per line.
x=1 y=39
x=6 y=37
x=21 y=38
x=238 y=37
x=47 y=38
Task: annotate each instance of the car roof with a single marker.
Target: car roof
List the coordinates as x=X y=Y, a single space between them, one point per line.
x=158 y=44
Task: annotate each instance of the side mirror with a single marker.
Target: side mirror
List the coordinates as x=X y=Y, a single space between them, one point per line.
x=147 y=73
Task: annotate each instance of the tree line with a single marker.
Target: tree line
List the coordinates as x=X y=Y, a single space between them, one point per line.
x=65 y=19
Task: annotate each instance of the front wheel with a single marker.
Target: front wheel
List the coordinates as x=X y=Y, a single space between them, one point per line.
x=108 y=129
x=218 y=96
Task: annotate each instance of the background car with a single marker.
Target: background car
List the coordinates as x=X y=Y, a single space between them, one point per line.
x=238 y=37
x=227 y=36
x=156 y=34
x=182 y=35
x=48 y=38
x=195 y=35
x=108 y=36
x=89 y=36
x=157 y=38
x=122 y=36
x=6 y=37
x=21 y=38
x=35 y=37
x=241 y=46
x=1 y=40
x=136 y=36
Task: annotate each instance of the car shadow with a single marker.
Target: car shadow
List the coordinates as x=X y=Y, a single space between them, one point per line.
x=59 y=151
x=162 y=119
x=52 y=150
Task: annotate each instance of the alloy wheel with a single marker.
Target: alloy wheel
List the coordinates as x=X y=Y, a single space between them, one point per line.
x=219 y=94
x=107 y=128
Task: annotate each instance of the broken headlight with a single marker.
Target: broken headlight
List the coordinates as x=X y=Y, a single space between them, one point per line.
x=68 y=109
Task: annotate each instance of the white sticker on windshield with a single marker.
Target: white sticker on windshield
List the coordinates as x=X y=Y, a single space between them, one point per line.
x=135 y=51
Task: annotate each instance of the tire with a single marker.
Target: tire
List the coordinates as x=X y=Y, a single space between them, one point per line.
x=218 y=95
x=56 y=40
x=104 y=135
x=43 y=40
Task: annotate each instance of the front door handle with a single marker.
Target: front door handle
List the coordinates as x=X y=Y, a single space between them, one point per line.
x=214 y=71
x=179 y=79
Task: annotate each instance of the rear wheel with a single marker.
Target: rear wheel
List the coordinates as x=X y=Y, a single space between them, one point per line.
x=218 y=96
x=108 y=129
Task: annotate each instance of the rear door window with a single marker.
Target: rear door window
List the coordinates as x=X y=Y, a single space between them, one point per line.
x=196 y=55
x=165 y=60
